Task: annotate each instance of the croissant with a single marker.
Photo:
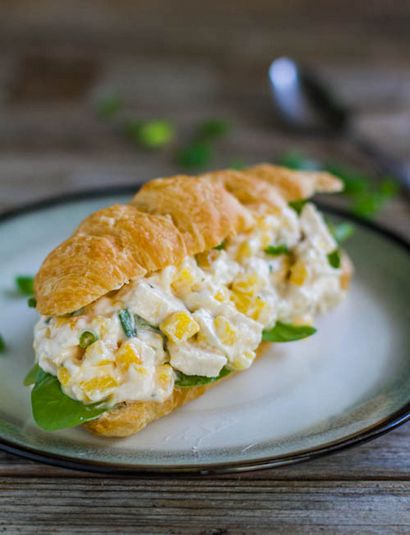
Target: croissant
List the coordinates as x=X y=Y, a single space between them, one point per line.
x=149 y=304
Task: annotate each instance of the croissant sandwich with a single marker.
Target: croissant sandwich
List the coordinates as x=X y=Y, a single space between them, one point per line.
x=149 y=304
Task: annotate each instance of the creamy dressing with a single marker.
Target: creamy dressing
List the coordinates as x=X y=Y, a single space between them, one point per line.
x=196 y=318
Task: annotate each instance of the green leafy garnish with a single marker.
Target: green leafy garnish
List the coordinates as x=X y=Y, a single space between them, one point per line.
x=212 y=129
x=2 y=344
x=87 y=338
x=342 y=231
x=334 y=259
x=25 y=284
x=53 y=410
x=195 y=155
x=32 y=302
x=31 y=377
x=298 y=205
x=187 y=381
x=283 y=332
x=221 y=246
x=298 y=161
x=108 y=106
x=127 y=323
x=150 y=134
x=275 y=250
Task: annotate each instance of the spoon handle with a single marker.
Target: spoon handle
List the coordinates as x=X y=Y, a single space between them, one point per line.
x=387 y=164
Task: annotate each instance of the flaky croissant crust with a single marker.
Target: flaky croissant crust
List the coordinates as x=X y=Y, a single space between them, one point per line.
x=168 y=219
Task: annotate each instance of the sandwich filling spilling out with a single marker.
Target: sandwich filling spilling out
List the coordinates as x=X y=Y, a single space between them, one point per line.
x=197 y=320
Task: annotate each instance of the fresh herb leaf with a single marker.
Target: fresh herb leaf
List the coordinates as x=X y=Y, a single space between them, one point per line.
x=150 y=134
x=334 y=259
x=32 y=302
x=87 y=338
x=212 y=129
x=53 y=410
x=195 y=155
x=25 y=284
x=31 y=377
x=127 y=323
x=298 y=161
x=108 y=106
x=283 y=332
x=237 y=165
x=298 y=205
x=221 y=246
x=187 y=381
x=276 y=250
x=354 y=182
x=2 y=344
x=342 y=231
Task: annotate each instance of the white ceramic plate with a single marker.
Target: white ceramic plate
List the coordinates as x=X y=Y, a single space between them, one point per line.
x=348 y=383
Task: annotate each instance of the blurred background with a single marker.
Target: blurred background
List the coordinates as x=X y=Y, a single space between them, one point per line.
x=112 y=92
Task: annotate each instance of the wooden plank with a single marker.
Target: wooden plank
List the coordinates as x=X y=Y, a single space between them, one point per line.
x=201 y=506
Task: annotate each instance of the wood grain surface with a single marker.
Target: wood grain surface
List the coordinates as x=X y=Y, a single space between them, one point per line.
x=188 y=61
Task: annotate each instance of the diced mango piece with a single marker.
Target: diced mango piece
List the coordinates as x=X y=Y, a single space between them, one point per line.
x=164 y=374
x=98 y=383
x=244 y=251
x=183 y=280
x=63 y=376
x=127 y=355
x=226 y=332
x=246 y=284
x=242 y=362
x=179 y=326
x=298 y=273
x=241 y=301
x=222 y=295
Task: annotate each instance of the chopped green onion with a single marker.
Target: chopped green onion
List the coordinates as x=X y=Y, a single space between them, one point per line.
x=32 y=302
x=87 y=338
x=127 y=323
x=25 y=284
x=276 y=250
x=334 y=259
x=283 y=332
x=221 y=246
x=2 y=344
x=188 y=381
x=298 y=205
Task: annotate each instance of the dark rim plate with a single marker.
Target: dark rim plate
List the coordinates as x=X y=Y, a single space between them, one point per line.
x=380 y=428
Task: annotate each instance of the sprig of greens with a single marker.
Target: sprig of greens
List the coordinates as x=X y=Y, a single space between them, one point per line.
x=366 y=196
x=2 y=344
x=150 y=134
x=188 y=381
x=53 y=410
x=283 y=332
x=25 y=284
x=31 y=376
x=221 y=246
x=275 y=250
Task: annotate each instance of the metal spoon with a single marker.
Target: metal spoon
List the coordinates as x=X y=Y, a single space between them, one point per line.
x=304 y=103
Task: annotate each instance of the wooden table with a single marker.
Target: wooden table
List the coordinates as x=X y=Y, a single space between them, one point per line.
x=187 y=61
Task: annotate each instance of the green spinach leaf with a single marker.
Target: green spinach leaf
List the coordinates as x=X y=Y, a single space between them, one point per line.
x=187 y=381
x=53 y=410
x=31 y=377
x=283 y=332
